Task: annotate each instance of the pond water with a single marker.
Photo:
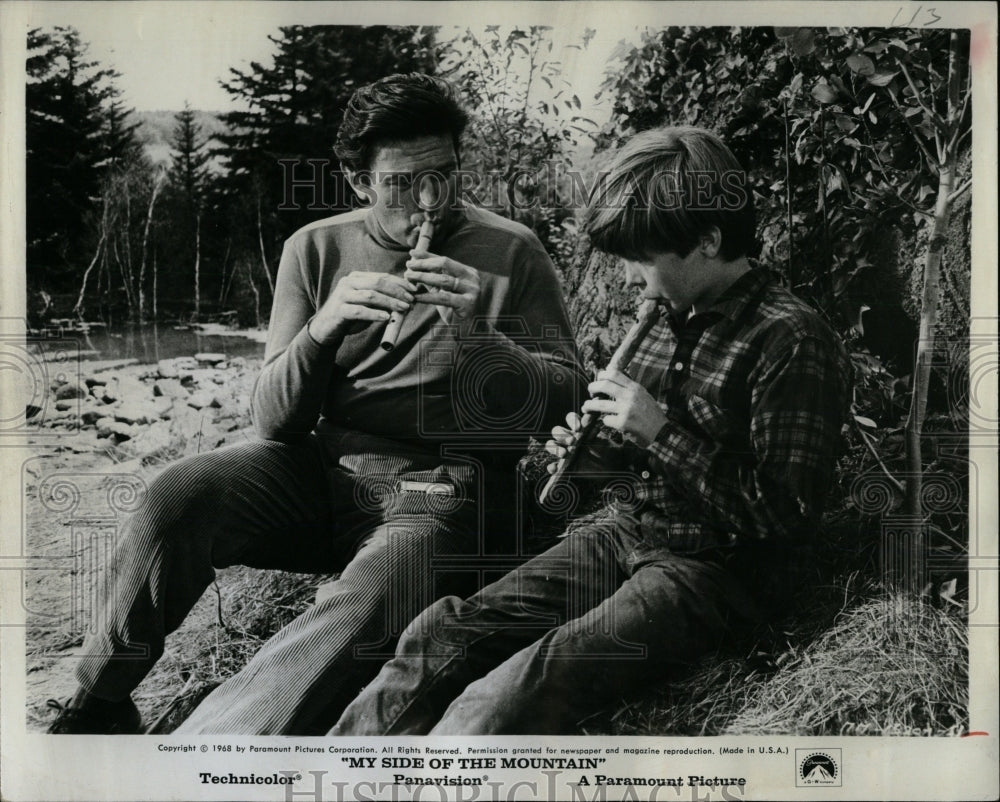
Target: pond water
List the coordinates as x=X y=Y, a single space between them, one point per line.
x=151 y=342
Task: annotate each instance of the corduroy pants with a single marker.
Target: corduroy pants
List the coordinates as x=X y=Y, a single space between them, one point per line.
x=318 y=506
x=595 y=618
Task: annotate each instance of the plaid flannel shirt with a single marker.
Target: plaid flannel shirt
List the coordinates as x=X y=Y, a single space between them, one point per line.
x=755 y=390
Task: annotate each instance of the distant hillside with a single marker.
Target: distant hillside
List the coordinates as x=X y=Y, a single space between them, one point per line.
x=156 y=130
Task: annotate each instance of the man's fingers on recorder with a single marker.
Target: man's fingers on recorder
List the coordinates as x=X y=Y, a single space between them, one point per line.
x=349 y=311
x=374 y=299
x=442 y=273
x=451 y=285
x=361 y=296
x=361 y=282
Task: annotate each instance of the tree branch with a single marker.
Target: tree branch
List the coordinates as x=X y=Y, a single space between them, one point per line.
x=871 y=447
x=916 y=135
x=958 y=192
x=934 y=117
x=885 y=174
x=953 y=142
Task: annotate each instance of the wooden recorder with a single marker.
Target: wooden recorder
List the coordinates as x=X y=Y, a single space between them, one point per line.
x=590 y=424
x=395 y=323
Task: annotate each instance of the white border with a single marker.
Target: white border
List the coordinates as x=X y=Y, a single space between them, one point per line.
x=37 y=767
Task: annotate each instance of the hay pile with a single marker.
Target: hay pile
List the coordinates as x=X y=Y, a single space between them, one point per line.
x=892 y=665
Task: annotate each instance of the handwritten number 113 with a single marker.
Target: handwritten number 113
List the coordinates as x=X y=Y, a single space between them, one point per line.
x=933 y=17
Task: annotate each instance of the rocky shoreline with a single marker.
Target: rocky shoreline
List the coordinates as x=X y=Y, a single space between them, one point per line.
x=147 y=409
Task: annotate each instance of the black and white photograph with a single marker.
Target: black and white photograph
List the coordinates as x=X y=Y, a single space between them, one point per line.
x=514 y=401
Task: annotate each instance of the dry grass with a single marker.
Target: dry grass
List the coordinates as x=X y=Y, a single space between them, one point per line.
x=892 y=665
x=853 y=658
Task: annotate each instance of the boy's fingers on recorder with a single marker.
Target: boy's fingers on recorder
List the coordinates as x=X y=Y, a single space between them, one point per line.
x=564 y=437
x=552 y=467
x=559 y=445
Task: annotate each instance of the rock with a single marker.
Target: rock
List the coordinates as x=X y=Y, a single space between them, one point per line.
x=73 y=389
x=109 y=427
x=136 y=412
x=66 y=405
x=163 y=405
x=167 y=368
x=186 y=363
x=169 y=388
x=109 y=393
x=92 y=414
x=131 y=388
x=192 y=424
x=152 y=438
x=210 y=359
x=85 y=443
x=238 y=363
x=205 y=378
x=202 y=398
x=93 y=381
x=125 y=389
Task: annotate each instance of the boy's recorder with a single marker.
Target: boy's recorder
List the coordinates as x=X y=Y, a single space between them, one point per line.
x=648 y=315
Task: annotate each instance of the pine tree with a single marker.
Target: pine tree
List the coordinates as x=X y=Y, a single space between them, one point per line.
x=293 y=110
x=189 y=180
x=76 y=131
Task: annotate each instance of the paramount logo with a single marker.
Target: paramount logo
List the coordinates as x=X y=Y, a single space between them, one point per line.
x=817 y=767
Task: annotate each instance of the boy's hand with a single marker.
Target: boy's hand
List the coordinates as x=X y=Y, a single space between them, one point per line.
x=628 y=407
x=563 y=441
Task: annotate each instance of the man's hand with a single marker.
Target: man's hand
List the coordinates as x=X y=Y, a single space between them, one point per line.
x=452 y=287
x=359 y=299
x=628 y=407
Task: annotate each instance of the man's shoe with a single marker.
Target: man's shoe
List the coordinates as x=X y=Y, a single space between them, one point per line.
x=100 y=718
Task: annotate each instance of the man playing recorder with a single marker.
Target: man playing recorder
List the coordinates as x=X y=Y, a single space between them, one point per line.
x=373 y=463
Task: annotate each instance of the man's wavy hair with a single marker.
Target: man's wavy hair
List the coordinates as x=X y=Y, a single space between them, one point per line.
x=666 y=188
x=397 y=108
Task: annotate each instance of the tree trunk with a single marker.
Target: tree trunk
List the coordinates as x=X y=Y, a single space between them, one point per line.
x=223 y=288
x=263 y=252
x=133 y=305
x=197 y=265
x=157 y=186
x=126 y=284
x=78 y=307
x=156 y=312
x=255 y=291
x=928 y=323
x=925 y=343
